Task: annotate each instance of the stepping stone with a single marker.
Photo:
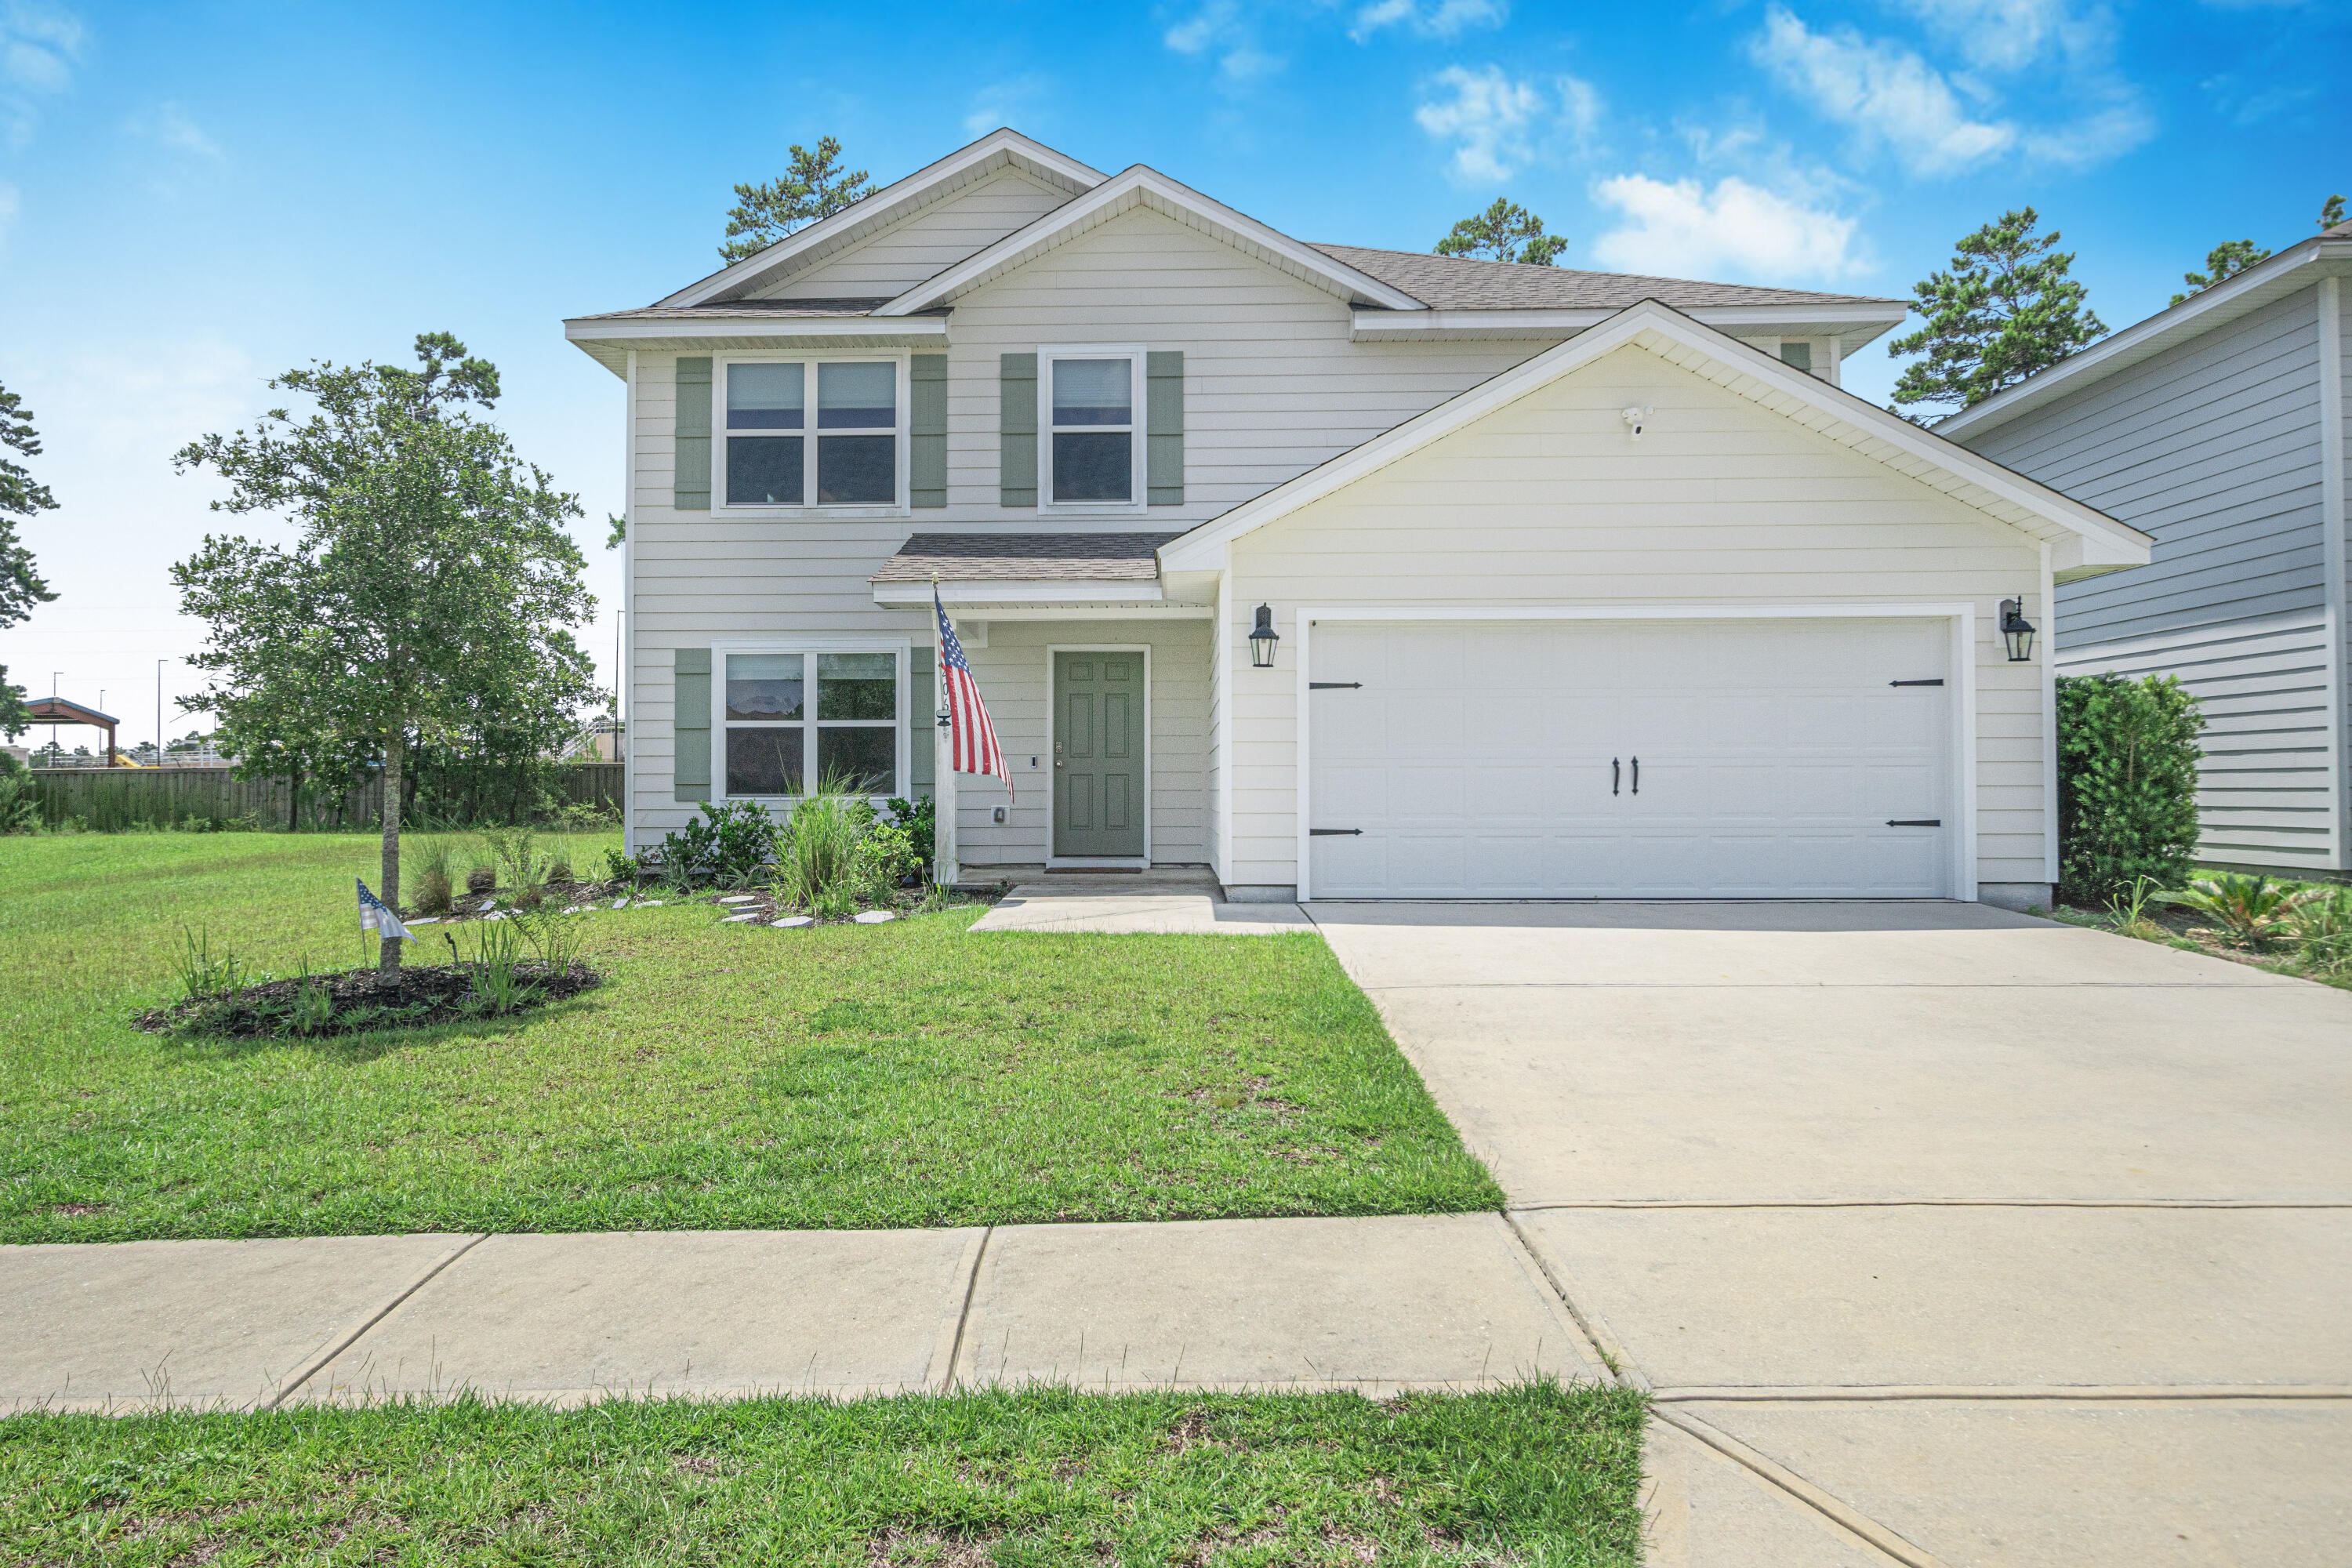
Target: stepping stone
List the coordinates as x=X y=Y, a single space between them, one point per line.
x=488 y=905
x=426 y=920
x=741 y=899
x=622 y=902
x=499 y=916
x=790 y=921
x=737 y=920
x=874 y=917
x=651 y=904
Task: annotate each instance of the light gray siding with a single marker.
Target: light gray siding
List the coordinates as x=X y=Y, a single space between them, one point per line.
x=2213 y=448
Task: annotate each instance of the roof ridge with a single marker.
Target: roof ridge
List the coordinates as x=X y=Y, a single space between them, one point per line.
x=1534 y=271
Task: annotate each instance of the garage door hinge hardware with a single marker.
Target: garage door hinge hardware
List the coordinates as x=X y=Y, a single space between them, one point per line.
x=1915 y=822
x=1335 y=833
x=1335 y=686
x=1938 y=681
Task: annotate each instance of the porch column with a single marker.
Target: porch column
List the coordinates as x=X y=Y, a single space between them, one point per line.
x=945 y=870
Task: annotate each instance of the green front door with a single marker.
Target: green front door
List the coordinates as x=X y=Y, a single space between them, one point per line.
x=1099 y=770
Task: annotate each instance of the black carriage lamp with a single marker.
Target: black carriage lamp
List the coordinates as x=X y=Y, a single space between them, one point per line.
x=1263 y=637
x=2017 y=630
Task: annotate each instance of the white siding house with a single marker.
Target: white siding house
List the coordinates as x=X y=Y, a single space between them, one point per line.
x=2219 y=427
x=1582 y=584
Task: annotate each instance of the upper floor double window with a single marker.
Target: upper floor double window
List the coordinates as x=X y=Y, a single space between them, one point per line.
x=850 y=454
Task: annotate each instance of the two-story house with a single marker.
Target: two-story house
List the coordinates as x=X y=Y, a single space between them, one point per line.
x=2218 y=426
x=1344 y=572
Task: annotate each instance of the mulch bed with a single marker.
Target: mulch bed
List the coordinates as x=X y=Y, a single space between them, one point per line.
x=427 y=994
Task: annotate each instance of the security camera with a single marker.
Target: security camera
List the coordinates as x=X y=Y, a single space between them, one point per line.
x=1635 y=418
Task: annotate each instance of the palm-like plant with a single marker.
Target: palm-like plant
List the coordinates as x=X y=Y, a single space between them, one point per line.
x=2249 y=911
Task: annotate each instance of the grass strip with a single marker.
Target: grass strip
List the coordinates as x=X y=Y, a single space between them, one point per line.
x=1536 y=1474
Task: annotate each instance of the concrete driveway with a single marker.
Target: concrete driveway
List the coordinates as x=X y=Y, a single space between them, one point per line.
x=1944 y=1234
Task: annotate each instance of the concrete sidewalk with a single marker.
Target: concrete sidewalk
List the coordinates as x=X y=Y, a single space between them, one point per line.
x=1376 y=1305
x=1185 y=903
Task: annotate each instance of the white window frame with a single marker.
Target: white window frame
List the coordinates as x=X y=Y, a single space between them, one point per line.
x=807 y=647
x=900 y=505
x=1137 y=446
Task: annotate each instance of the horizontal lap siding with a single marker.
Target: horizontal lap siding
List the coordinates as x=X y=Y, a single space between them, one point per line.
x=926 y=244
x=1549 y=502
x=1012 y=672
x=2213 y=448
x=2262 y=794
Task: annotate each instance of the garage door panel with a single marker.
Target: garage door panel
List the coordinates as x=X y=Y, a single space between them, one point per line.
x=1478 y=759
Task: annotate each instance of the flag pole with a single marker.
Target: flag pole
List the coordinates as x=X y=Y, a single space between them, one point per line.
x=946 y=869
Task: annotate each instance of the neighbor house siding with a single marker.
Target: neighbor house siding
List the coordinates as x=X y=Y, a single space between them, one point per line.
x=925 y=243
x=2217 y=447
x=2213 y=448
x=1549 y=502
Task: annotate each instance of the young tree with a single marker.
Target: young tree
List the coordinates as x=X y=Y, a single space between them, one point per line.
x=2006 y=309
x=814 y=187
x=2331 y=213
x=21 y=587
x=1504 y=232
x=431 y=565
x=2224 y=261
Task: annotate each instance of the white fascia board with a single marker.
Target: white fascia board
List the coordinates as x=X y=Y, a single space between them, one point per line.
x=2202 y=311
x=892 y=202
x=1853 y=327
x=1130 y=188
x=1002 y=592
x=2103 y=539
x=784 y=330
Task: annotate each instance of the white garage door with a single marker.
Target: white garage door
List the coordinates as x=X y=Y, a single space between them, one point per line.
x=1631 y=759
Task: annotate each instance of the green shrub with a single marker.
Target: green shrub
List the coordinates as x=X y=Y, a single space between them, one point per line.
x=921 y=818
x=2128 y=758
x=20 y=809
x=730 y=845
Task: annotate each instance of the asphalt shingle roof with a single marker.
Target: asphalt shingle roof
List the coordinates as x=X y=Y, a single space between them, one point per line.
x=1465 y=283
x=1026 y=558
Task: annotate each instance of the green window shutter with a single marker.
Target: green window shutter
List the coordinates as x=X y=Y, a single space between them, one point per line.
x=1164 y=425
x=690 y=722
x=927 y=425
x=1017 y=414
x=692 y=480
x=922 y=740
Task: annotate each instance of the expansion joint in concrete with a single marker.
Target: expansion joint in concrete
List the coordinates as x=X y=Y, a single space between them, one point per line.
x=968 y=1272
x=1859 y=1525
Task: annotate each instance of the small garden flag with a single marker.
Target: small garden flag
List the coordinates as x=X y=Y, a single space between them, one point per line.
x=971 y=738
x=374 y=917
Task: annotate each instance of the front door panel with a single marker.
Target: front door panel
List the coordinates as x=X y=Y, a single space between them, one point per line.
x=1100 y=773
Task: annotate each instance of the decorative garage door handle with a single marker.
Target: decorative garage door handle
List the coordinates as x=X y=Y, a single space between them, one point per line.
x=1612 y=775
x=1637 y=775
x=1335 y=833
x=1915 y=822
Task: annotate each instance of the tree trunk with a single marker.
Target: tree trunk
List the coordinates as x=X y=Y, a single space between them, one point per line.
x=388 y=958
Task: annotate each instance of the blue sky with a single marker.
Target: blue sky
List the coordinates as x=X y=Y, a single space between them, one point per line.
x=195 y=196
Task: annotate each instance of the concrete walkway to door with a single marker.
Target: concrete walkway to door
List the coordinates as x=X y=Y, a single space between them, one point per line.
x=1942 y=1235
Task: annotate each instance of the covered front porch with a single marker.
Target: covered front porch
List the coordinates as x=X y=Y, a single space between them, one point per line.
x=1099 y=685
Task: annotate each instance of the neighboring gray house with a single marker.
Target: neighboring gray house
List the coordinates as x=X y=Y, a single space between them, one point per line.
x=2218 y=427
x=1583 y=584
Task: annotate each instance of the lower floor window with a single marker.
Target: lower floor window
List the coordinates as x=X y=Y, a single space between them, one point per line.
x=798 y=721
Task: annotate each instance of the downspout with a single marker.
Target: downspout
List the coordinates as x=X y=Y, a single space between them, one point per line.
x=623 y=704
x=2333 y=556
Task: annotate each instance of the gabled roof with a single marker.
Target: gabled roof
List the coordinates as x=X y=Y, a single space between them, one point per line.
x=1468 y=283
x=66 y=710
x=1139 y=186
x=2297 y=267
x=1002 y=148
x=2087 y=542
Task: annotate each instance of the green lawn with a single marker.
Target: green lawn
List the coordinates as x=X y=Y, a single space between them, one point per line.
x=1534 y=1475
x=725 y=1077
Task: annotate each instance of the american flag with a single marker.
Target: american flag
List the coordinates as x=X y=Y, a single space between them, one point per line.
x=971 y=738
x=374 y=917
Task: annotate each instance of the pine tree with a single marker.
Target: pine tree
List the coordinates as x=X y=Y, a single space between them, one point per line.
x=814 y=187
x=2331 y=213
x=1504 y=232
x=21 y=586
x=2224 y=261
x=2006 y=309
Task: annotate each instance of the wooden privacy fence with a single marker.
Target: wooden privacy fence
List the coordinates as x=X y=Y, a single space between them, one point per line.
x=108 y=798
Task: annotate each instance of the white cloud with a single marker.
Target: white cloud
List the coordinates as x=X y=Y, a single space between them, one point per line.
x=1497 y=122
x=1444 y=19
x=1735 y=231
x=2006 y=34
x=39 y=47
x=1226 y=32
x=1888 y=96
x=171 y=128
